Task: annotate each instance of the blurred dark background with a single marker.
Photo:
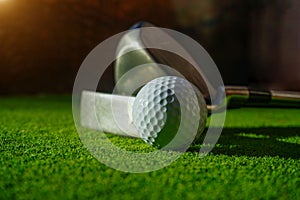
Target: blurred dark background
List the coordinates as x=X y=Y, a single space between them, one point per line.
x=43 y=42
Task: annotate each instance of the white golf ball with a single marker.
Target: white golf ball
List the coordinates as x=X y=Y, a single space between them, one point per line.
x=169 y=111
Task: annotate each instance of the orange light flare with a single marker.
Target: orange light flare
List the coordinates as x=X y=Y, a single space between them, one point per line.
x=6 y=2
x=6 y=5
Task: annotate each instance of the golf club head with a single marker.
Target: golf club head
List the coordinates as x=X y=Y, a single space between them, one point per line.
x=132 y=51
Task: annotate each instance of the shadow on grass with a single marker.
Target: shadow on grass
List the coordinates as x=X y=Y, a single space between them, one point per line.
x=259 y=142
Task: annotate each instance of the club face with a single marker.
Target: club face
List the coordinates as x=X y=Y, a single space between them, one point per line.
x=130 y=54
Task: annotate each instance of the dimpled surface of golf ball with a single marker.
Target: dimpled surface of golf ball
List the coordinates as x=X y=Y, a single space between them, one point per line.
x=169 y=111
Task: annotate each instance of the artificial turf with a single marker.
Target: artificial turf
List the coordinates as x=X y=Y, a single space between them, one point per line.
x=42 y=157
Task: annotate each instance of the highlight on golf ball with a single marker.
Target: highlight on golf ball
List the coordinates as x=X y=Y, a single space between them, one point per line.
x=169 y=112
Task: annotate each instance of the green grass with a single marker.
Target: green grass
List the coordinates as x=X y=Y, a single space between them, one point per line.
x=257 y=157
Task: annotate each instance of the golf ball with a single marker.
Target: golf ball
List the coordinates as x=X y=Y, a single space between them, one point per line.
x=169 y=112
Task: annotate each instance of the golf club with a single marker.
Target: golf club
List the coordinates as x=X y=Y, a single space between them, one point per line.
x=96 y=108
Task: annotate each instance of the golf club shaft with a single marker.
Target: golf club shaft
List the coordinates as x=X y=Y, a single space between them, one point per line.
x=243 y=96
